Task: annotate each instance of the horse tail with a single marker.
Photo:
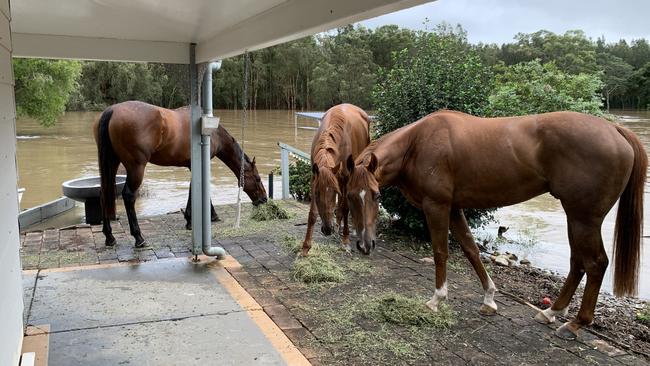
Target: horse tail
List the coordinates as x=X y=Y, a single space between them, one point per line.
x=107 y=161
x=629 y=221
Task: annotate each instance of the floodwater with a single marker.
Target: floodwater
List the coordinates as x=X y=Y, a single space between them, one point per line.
x=49 y=156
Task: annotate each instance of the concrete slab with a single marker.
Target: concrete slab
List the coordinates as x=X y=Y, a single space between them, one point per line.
x=168 y=312
x=230 y=339
x=160 y=290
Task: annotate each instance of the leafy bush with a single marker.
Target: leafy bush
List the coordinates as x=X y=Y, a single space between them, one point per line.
x=443 y=73
x=43 y=87
x=530 y=87
x=300 y=180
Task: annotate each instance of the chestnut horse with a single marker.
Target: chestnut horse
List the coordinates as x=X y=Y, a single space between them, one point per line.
x=343 y=132
x=449 y=160
x=135 y=133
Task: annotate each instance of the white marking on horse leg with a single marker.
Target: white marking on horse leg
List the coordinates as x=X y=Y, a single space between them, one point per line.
x=439 y=295
x=548 y=316
x=362 y=194
x=488 y=298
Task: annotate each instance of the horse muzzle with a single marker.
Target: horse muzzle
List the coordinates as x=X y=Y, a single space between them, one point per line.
x=326 y=230
x=260 y=201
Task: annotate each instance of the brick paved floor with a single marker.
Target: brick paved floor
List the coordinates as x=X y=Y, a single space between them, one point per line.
x=304 y=312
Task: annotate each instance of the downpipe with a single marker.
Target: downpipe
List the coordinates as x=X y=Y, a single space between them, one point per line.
x=206 y=238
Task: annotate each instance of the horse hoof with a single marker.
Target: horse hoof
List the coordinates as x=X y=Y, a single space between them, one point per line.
x=487 y=310
x=433 y=306
x=542 y=318
x=110 y=242
x=304 y=252
x=188 y=226
x=215 y=219
x=566 y=332
x=140 y=243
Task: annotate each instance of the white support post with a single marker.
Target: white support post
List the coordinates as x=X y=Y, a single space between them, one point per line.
x=197 y=189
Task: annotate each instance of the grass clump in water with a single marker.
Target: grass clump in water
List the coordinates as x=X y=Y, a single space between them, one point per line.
x=399 y=309
x=269 y=211
x=318 y=267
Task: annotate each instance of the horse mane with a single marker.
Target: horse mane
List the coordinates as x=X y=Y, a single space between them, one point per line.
x=327 y=144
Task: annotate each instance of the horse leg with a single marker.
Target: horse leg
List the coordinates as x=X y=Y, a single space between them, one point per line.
x=306 y=244
x=133 y=182
x=106 y=220
x=213 y=213
x=460 y=231
x=594 y=261
x=437 y=216
x=576 y=272
x=343 y=213
x=188 y=210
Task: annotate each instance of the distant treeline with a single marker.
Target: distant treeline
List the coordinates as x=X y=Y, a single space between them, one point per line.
x=340 y=66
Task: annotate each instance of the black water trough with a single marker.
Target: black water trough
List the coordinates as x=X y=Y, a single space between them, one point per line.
x=86 y=190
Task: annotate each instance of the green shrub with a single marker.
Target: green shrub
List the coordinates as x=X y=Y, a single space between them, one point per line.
x=300 y=180
x=443 y=72
x=530 y=87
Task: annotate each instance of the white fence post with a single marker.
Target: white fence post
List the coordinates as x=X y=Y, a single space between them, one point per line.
x=284 y=166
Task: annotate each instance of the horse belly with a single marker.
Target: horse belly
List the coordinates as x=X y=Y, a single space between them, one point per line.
x=498 y=193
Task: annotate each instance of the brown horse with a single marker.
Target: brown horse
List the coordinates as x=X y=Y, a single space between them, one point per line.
x=135 y=133
x=449 y=160
x=343 y=132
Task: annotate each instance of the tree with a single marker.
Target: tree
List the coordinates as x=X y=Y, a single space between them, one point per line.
x=530 y=88
x=444 y=72
x=43 y=87
x=616 y=75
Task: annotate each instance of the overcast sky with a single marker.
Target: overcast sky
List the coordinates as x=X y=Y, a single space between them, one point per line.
x=497 y=21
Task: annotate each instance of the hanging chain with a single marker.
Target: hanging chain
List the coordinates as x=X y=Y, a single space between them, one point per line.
x=243 y=137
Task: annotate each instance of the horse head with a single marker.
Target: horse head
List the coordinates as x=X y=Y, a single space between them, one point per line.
x=325 y=188
x=363 y=200
x=252 y=183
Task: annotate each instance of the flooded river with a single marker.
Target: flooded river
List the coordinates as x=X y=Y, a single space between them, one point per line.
x=49 y=156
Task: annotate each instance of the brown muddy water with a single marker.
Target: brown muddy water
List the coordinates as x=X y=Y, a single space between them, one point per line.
x=49 y=156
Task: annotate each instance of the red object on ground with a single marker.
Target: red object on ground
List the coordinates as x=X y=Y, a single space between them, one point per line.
x=546 y=301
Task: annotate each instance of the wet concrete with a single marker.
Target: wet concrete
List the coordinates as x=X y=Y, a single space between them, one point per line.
x=168 y=312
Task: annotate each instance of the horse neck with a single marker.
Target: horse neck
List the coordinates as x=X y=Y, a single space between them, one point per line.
x=229 y=151
x=390 y=150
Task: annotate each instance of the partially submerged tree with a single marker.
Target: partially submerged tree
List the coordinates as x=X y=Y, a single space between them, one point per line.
x=43 y=87
x=530 y=87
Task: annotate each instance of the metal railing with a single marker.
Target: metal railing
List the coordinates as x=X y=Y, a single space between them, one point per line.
x=285 y=150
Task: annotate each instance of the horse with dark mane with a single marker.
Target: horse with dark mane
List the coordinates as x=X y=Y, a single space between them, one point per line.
x=344 y=131
x=448 y=161
x=135 y=133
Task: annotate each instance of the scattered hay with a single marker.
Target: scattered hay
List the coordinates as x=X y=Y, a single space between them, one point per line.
x=360 y=266
x=291 y=243
x=643 y=316
x=269 y=211
x=398 y=309
x=318 y=267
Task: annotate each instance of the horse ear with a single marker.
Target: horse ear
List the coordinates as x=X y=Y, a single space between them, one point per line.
x=350 y=164
x=372 y=165
x=253 y=162
x=314 y=169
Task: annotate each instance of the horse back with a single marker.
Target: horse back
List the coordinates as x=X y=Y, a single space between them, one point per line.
x=345 y=127
x=491 y=162
x=142 y=132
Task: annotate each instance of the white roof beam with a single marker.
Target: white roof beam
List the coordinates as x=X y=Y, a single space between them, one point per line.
x=291 y=20
x=104 y=49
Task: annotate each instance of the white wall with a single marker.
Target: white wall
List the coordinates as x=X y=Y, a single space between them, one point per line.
x=11 y=298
